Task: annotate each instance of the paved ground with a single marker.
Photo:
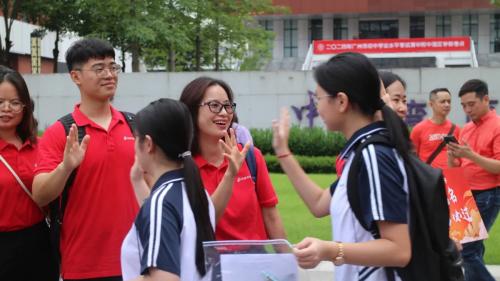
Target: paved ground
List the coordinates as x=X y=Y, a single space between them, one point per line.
x=324 y=272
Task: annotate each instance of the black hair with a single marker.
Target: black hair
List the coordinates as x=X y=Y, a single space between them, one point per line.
x=389 y=77
x=89 y=48
x=354 y=75
x=433 y=93
x=169 y=124
x=474 y=85
x=193 y=94
x=27 y=129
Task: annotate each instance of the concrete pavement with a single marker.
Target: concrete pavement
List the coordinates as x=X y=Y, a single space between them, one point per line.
x=324 y=272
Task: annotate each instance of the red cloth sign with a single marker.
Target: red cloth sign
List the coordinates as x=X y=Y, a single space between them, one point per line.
x=466 y=224
x=402 y=45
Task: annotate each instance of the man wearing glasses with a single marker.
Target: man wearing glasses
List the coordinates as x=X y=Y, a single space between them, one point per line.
x=101 y=204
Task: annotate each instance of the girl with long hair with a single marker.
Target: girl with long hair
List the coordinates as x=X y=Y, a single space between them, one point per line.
x=177 y=215
x=349 y=101
x=24 y=235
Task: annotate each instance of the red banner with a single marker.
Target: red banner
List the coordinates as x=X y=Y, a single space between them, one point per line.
x=466 y=224
x=403 y=45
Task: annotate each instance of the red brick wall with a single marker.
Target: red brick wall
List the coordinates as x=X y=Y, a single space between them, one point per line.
x=23 y=64
x=379 y=6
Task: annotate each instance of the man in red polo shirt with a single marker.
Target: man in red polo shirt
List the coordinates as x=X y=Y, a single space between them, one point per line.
x=428 y=135
x=101 y=204
x=478 y=152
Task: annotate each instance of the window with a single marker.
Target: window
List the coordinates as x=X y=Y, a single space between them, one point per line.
x=339 y=29
x=378 y=29
x=443 y=26
x=315 y=29
x=495 y=33
x=417 y=26
x=470 y=27
x=266 y=24
x=290 y=38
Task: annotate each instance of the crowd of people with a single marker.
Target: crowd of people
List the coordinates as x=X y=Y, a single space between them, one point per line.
x=143 y=192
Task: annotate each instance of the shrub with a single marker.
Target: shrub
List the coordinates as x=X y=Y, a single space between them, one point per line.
x=303 y=141
x=310 y=164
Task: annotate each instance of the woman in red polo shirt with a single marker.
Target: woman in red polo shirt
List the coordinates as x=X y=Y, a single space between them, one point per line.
x=251 y=212
x=25 y=252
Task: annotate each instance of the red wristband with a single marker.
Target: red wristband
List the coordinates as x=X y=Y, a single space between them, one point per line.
x=284 y=155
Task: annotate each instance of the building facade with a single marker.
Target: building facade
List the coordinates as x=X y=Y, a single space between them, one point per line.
x=310 y=20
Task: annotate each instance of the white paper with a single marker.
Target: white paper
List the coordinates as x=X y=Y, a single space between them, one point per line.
x=255 y=267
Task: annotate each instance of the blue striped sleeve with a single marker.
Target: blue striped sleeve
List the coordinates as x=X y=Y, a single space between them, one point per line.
x=160 y=229
x=382 y=186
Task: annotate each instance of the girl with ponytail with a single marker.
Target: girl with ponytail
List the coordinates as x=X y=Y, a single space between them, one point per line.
x=349 y=101
x=165 y=241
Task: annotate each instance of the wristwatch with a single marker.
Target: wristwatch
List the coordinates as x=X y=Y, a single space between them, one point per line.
x=339 y=259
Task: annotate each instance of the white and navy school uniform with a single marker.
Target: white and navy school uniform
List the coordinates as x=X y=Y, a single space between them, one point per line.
x=163 y=235
x=383 y=189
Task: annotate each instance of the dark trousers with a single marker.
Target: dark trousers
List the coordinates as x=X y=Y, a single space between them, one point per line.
x=488 y=203
x=25 y=255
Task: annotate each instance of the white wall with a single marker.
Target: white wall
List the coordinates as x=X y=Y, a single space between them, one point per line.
x=259 y=95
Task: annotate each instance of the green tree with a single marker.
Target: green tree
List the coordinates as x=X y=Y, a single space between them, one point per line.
x=10 y=11
x=213 y=34
x=129 y=25
x=58 y=16
x=172 y=25
x=235 y=35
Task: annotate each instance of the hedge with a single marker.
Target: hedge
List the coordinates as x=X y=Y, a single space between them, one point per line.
x=303 y=141
x=310 y=164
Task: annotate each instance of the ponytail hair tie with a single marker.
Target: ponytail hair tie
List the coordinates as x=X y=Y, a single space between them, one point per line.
x=380 y=104
x=185 y=154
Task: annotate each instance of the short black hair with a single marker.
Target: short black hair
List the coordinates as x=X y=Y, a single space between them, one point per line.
x=89 y=48
x=474 y=85
x=435 y=91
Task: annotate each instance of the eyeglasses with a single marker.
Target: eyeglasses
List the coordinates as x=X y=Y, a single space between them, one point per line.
x=101 y=71
x=15 y=106
x=216 y=106
x=317 y=98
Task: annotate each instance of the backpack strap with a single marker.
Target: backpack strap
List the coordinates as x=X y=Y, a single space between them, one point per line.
x=352 y=181
x=252 y=163
x=440 y=147
x=130 y=119
x=58 y=206
x=67 y=121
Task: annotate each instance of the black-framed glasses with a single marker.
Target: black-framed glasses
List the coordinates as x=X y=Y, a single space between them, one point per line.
x=101 y=71
x=216 y=106
x=15 y=105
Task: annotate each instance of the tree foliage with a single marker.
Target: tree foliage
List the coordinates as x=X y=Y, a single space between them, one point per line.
x=177 y=35
x=10 y=11
x=58 y=16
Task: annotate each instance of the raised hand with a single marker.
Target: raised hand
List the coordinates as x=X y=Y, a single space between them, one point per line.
x=281 y=132
x=139 y=182
x=74 y=152
x=232 y=153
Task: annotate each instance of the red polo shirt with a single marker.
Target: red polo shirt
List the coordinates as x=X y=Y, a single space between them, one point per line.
x=427 y=136
x=18 y=210
x=101 y=203
x=483 y=137
x=242 y=219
